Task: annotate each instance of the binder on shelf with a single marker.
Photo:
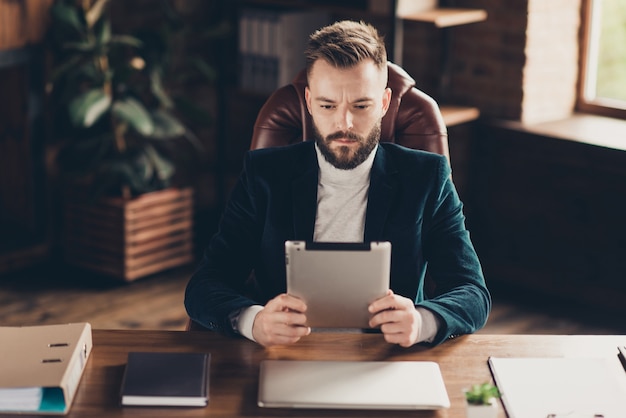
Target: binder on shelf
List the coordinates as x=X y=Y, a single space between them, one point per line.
x=271 y=46
x=41 y=367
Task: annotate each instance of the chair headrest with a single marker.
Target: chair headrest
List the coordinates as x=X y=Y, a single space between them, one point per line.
x=412 y=120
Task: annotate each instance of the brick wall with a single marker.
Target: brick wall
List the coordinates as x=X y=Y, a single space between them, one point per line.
x=519 y=64
x=551 y=70
x=422 y=55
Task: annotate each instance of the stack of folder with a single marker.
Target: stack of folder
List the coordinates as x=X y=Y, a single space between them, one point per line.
x=41 y=366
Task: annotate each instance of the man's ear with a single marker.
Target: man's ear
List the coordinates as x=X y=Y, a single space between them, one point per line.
x=386 y=100
x=307 y=98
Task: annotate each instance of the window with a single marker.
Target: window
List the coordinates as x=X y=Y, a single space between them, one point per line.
x=603 y=58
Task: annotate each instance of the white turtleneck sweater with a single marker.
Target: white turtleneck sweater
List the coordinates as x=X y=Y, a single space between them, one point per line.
x=341 y=201
x=340 y=217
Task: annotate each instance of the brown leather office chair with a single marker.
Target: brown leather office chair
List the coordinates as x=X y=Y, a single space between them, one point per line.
x=413 y=119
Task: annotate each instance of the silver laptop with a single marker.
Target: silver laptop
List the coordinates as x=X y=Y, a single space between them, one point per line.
x=402 y=385
x=337 y=281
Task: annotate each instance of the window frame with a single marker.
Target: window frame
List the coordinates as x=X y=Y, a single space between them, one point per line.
x=597 y=107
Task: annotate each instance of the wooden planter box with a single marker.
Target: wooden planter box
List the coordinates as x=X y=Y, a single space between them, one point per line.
x=129 y=239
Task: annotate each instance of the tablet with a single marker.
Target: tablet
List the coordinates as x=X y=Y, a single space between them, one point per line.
x=337 y=281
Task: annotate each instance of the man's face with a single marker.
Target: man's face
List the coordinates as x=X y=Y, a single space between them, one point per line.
x=347 y=106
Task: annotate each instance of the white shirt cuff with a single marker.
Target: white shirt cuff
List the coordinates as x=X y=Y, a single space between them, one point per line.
x=430 y=325
x=245 y=321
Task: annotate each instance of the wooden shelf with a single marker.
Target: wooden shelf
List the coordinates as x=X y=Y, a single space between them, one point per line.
x=332 y=7
x=447 y=17
x=455 y=115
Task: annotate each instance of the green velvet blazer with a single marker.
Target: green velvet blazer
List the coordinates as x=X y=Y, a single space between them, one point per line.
x=412 y=203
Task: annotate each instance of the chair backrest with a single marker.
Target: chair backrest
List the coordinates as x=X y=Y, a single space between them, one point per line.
x=413 y=119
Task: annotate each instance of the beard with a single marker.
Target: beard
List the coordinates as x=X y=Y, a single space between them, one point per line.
x=342 y=157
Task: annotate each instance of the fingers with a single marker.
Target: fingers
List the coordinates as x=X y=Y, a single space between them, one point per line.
x=397 y=319
x=389 y=302
x=282 y=321
x=400 y=315
x=401 y=330
x=278 y=334
x=285 y=302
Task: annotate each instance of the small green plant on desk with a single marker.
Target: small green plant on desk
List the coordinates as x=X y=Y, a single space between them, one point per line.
x=483 y=394
x=481 y=401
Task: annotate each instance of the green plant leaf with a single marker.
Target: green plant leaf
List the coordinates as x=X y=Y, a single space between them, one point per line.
x=163 y=168
x=194 y=141
x=143 y=167
x=135 y=114
x=156 y=86
x=166 y=126
x=103 y=32
x=83 y=72
x=126 y=40
x=84 y=46
x=95 y=13
x=114 y=174
x=481 y=394
x=204 y=68
x=88 y=107
x=68 y=17
x=65 y=66
x=91 y=72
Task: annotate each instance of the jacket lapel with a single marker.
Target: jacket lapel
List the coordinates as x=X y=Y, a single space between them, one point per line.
x=383 y=187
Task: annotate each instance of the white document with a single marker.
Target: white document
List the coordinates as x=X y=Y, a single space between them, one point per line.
x=20 y=399
x=568 y=387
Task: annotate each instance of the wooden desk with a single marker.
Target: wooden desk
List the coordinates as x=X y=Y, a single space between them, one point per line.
x=235 y=366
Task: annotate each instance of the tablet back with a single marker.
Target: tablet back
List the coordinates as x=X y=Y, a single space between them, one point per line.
x=351 y=384
x=338 y=281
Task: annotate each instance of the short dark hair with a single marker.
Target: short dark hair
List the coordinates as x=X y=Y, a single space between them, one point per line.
x=346 y=43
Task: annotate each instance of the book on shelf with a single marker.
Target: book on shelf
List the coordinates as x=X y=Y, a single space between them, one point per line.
x=41 y=367
x=166 y=379
x=271 y=46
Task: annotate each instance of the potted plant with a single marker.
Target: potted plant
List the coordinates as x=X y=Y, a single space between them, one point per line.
x=118 y=125
x=481 y=401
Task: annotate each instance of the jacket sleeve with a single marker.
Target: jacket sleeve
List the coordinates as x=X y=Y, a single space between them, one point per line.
x=460 y=298
x=217 y=287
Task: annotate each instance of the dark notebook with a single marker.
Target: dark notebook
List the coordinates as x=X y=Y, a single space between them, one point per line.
x=166 y=379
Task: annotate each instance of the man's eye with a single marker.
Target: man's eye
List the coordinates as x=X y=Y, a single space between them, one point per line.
x=362 y=107
x=327 y=107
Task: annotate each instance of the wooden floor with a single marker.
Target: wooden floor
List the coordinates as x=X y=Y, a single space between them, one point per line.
x=51 y=294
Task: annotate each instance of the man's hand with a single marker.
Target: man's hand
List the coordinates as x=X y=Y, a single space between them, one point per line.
x=397 y=318
x=282 y=321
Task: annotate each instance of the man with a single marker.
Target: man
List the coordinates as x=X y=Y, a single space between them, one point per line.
x=345 y=186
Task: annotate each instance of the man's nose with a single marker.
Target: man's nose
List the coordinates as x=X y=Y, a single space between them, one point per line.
x=345 y=120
